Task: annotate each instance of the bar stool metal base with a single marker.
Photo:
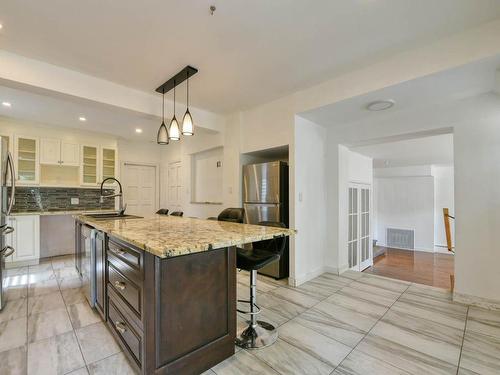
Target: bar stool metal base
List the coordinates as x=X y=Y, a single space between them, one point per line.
x=260 y=335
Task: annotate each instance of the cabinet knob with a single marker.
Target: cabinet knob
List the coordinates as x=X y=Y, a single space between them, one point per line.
x=121 y=327
x=120 y=285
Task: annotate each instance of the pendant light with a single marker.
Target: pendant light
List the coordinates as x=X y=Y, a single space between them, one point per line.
x=187 y=121
x=175 y=133
x=162 y=136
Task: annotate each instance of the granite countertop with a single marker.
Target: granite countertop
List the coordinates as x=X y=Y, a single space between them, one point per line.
x=58 y=212
x=171 y=236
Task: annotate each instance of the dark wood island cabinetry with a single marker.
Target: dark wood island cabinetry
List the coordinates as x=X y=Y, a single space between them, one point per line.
x=172 y=307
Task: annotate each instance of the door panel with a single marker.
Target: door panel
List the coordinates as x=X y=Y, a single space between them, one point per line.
x=261 y=183
x=359 y=245
x=50 y=151
x=70 y=154
x=139 y=188
x=262 y=212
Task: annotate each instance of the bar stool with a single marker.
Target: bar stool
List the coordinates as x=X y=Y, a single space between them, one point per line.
x=177 y=213
x=258 y=334
x=234 y=215
x=162 y=211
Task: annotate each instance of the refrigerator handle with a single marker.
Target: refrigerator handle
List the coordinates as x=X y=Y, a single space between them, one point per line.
x=7 y=251
x=10 y=162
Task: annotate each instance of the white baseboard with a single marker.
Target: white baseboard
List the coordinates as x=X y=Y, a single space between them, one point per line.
x=301 y=279
x=485 y=303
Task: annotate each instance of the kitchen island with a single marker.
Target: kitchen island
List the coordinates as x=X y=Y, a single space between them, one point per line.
x=166 y=286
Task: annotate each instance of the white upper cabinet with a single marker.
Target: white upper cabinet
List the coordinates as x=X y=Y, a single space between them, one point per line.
x=57 y=152
x=50 y=151
x=70 y=154
x=27 y=160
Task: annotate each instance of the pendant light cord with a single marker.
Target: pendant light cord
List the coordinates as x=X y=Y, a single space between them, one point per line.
x=174 y=97
x=163 y=107
x=187 y=99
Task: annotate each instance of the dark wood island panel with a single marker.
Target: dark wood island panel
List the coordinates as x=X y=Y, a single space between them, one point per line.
x=187 y=323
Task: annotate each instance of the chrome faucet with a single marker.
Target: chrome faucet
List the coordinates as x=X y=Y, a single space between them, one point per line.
x=122 y=207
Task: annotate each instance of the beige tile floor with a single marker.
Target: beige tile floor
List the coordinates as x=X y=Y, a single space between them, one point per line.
x=352 y=324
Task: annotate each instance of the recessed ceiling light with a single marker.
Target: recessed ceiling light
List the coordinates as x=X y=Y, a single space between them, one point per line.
x=6 y=104
x=380 y=105
x=138 y=130
x=1 y=26
x=82 y=119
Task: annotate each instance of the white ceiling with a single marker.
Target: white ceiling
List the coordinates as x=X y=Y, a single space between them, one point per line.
x=247 y=53
x=420 y=151
x=65 y=111
x=443 y=87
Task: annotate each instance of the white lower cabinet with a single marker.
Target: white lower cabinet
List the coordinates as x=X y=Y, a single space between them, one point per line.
x=25 y=239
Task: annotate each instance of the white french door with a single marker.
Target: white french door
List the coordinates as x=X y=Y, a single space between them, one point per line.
x=359 y=244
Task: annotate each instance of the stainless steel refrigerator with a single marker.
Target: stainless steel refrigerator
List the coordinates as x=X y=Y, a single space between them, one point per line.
x=265 y=198
x=6 y=202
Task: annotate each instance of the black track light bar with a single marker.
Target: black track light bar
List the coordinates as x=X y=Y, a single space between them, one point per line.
x=176 y=80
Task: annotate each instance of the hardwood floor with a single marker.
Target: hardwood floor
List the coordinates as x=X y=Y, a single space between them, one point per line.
x=416 y=266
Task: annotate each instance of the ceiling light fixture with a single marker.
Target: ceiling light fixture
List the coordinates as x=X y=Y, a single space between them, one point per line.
x=187 y=121
x=162 y=137
x=380 y=105
x=82 y=119
x=1 y=26
x=174 y=131
x=6 y=104
x=138 y=130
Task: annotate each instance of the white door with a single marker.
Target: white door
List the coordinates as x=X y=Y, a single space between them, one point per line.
x=359 y=242
x=174 y=183
x=139 y=189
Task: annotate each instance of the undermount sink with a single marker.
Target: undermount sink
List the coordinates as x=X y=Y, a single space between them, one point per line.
x=113 y=215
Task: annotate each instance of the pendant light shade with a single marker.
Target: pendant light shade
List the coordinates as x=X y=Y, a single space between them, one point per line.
x=187 y=124
x=187 y=121
x=174 y=131
x=162 y=136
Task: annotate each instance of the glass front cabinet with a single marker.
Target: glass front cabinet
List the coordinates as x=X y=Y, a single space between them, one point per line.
x=27 y=160
x=89 y=165
x=108 y=163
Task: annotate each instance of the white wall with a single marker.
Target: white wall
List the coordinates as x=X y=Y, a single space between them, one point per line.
x=405 y=203
x=309 y=201
x=444 y=197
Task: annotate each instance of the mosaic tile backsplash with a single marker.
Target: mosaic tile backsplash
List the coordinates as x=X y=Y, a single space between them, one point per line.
x=36 y=199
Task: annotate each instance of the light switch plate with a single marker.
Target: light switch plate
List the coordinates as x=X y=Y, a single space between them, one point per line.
x=75 y=200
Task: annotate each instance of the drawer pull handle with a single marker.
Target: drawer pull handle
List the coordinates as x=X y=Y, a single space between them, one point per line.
x=120 y=285
x=120 y=327
x=119 y=252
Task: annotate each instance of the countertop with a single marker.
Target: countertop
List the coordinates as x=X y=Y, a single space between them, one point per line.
x=171 y=236
x=62 y=212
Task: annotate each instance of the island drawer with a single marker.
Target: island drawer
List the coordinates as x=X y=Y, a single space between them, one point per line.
x=126 y=288
x=130 y=338
x=131 y=257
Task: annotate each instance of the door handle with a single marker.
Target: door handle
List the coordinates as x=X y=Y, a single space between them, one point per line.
x=120 y=285
x=121 y=327
x=7 y=230
x=12 y=199
x=7 y=251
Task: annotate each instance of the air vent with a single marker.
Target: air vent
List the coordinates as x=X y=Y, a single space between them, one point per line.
x=401 y=238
